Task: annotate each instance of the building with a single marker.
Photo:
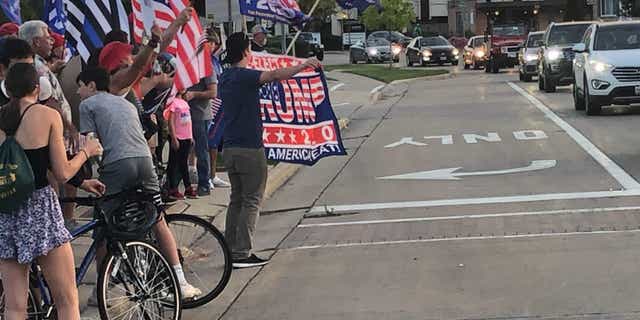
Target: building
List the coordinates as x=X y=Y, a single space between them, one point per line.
x=432 y=16
x=468 y=17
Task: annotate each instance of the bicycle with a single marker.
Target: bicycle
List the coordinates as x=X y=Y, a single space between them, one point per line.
x=134 y=276
x=203 y=252
x=204 y=256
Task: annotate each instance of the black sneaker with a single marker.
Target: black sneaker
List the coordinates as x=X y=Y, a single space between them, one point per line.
x=250 y=262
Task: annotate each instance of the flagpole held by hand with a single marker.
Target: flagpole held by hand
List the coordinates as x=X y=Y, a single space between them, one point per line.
x=313 y=8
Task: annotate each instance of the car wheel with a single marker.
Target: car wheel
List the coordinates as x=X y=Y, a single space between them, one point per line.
x=409 y=62
x=455 y=63
x=578 y=101
x=540 y=82
x=494 y=67
x=467 y=66
x=592 y=108
x=476 y=66
x=521 y=76
x=549 y=85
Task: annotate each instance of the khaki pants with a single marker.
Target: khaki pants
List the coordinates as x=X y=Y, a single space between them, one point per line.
x=247 y=169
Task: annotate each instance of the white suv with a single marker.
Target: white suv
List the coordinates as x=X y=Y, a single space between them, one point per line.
x=607 y=66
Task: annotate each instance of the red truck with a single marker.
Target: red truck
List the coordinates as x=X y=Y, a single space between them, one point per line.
x=503 y=46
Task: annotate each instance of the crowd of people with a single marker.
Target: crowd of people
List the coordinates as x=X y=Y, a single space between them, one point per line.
x=54 y=106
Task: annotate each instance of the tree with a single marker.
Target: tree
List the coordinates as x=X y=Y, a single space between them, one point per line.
x=395 y=16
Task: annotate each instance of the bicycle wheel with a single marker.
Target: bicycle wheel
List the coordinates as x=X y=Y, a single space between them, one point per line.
x=204 y=256
x=33 y=305
x=138 y=283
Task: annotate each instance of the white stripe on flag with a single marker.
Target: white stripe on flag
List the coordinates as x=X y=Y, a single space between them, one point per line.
x=97 y=13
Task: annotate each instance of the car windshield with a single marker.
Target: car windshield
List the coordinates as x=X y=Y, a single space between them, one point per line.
x=432 y=42
x=621 y=37
x=508 y=30
x=477 y=42
x=376 y=42
x=567 y=35
x=533 y=40
x=397 y=35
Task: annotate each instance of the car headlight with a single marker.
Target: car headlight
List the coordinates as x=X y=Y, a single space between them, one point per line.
x=479 y=53
x=531 y=57
x=396 y=50
x=426 y=53
x=600 y=66
x=455 y=51
x=372 y=51
x=554 y=55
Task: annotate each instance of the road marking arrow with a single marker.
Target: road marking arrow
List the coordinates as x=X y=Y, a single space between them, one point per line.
x=450 y=173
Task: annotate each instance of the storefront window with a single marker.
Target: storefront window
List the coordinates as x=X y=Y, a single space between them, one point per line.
x=608 y=8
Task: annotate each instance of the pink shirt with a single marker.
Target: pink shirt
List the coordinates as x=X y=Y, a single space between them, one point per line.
x=181 y=118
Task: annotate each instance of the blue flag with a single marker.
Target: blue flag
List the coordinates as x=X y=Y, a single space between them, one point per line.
x=361 y=5
x=11 y=9
x=55 y=16
x=283 y=11
x=299 y=125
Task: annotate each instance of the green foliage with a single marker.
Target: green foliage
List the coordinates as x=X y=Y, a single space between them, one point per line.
x=395 y=16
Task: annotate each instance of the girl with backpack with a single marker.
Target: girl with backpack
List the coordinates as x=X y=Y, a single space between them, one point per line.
x=35 y=229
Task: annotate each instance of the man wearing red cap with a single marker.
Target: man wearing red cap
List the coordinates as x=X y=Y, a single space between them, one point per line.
x=9 y=30
x=127 y=70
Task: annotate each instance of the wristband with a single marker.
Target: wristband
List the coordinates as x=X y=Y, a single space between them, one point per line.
x=85 y=154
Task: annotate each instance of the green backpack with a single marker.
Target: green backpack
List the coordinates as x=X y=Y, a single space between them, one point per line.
x=17 y=182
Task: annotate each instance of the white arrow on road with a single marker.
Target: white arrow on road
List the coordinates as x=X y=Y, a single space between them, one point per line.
x=450 y=173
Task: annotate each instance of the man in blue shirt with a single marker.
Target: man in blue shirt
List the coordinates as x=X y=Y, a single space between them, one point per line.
x=243 y=152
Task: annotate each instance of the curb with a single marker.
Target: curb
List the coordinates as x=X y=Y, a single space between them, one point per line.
x=282 y=172
x=377 y=94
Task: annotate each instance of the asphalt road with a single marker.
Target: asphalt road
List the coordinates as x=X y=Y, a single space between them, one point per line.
x=531 y=213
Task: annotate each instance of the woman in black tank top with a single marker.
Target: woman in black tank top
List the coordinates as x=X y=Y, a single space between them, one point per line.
x=36 y=230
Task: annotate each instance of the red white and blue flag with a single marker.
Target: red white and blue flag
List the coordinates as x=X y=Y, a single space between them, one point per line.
x=283 y=11
x=191 y=64
x=299 y=123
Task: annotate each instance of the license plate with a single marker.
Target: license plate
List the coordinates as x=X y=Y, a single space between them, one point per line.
x=637 y=89
x=512 y=54
x=443 y=58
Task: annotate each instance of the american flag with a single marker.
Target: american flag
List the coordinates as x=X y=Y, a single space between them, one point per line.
x=191 y=65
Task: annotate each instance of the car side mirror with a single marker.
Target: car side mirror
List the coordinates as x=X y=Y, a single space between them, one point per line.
x=580 y=47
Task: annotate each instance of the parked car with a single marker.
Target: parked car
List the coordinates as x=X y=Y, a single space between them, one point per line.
x=303 y=47
x=425 y=50
x=528 y=56
x=475 y=53
x=503 y=46
x=556 y=55
x=374 y=50
x=391 y=36
x=314 y=47
x=607 y=67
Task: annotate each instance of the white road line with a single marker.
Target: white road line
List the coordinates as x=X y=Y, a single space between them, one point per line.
x=376 y=89
x=341 y=104
x=612 y=168
x=336 y=87
x=322 y=209
x=471 y=216
x=517 y=236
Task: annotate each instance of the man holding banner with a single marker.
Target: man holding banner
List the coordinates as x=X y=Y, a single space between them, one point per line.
x=244 y=154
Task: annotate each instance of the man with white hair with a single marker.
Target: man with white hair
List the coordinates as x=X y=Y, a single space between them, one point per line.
x=36 y=33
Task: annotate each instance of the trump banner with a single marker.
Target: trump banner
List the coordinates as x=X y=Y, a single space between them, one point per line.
x=299 y=125
x=283 y=11
x=361 y=5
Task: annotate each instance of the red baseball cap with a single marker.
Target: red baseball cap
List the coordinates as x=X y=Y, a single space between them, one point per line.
x=58 y=39
x=8 y=28
x=112 y=54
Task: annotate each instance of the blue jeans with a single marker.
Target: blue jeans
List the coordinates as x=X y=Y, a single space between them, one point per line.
x=201 y=137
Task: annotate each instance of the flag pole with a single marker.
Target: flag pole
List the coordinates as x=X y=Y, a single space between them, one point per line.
x=315 y=5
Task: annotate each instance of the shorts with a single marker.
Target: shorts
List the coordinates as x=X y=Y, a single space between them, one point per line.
x=216 y=131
